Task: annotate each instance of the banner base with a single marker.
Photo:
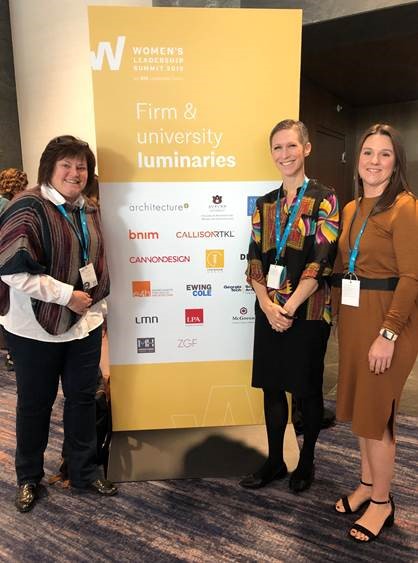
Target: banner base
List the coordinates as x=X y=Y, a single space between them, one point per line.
x=226 y=451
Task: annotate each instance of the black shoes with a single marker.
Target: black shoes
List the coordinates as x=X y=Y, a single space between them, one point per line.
x=370 y=536
x=346 y=504
x=100 y=486
x=8 y=363
x=263 y=477
x=26 y=497
x=27 y=494
x=300 y=480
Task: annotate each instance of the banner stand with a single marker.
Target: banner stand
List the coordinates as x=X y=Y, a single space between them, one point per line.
x=224 y=451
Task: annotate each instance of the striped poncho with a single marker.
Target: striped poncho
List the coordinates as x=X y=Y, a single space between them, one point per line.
x=35 y=238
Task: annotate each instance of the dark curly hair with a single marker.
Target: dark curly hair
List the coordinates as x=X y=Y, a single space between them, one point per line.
x=12 y=181
x=62 y=147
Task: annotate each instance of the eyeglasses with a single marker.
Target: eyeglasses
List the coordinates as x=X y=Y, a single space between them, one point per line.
x=69 y=140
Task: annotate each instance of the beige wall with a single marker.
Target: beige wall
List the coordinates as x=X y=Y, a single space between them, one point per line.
x=53 y=80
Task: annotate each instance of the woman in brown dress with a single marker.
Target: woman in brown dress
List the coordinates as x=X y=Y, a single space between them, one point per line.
x=377 y=308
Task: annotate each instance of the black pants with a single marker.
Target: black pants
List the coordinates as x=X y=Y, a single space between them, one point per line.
x=38 y=367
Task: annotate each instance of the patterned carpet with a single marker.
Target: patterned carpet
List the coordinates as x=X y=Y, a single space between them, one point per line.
x=203 y=520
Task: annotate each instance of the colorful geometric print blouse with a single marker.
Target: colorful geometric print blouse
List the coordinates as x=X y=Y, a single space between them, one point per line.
x=310 y=249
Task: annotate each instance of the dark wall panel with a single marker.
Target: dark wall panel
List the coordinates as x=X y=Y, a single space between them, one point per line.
x=329 y=120
x=10 y=149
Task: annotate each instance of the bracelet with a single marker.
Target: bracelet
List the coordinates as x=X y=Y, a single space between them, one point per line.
x=288 y=316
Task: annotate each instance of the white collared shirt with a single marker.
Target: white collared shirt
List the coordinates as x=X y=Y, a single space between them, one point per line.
x=21 y=320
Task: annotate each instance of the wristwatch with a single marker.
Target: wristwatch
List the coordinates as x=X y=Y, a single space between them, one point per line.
x=388 y=334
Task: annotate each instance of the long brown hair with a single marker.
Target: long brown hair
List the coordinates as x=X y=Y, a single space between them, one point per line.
x=398 y=182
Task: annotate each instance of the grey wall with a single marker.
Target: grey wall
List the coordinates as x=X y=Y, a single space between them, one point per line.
x=322 y=10
x=313 y=10
x=197 y=3
x=10 y=151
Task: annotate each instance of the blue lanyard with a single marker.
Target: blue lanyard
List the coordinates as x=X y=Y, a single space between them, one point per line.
x=281 y=241
x=84 y=239
x=355 y=250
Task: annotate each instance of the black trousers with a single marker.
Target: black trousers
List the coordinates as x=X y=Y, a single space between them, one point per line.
x=38 y=367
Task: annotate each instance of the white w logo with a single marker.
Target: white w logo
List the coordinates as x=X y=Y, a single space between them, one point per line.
x=113 y=59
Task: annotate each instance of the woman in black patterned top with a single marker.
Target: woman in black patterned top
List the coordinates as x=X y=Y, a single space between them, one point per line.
x=292 y=249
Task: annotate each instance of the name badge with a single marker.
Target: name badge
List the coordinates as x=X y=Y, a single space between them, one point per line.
x=88 y=277
x=276 y=276
x=350 y=292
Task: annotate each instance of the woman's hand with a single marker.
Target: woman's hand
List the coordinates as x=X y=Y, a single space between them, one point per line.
x=380 y=354
x=274 y=314
x=80 y=301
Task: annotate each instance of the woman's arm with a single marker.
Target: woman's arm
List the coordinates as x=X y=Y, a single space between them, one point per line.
x=322 y=255
x=256 y=278
x=405 y=245
x=305 y=288
x=48 y=289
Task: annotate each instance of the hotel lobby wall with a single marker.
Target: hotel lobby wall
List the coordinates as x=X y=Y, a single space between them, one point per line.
x=53 y=82
x=52 y=69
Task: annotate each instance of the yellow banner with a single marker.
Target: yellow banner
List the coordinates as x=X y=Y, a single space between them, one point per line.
x=184 y=102
x=193 y=92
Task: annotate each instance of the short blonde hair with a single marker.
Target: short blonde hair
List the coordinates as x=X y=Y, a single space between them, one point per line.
x=300 y=127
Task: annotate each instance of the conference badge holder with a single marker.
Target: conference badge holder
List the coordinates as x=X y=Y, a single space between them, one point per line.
x=276 y=276
x=350 y=290
x=88 y=277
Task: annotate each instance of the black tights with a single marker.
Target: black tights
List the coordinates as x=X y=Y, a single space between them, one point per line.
x=276 y=413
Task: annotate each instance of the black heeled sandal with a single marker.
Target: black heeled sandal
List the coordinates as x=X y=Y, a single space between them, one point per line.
x=387 y=523
x=346 y=504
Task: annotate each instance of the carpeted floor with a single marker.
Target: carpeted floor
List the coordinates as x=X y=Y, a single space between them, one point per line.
x=203 y=520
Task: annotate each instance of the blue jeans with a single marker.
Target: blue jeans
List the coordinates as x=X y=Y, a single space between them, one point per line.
x=38 y=367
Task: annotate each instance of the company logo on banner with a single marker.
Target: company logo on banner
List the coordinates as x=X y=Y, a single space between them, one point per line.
x=186 y=343
x=145 y=345
x=150 y=207
x=238 y=288
x=104 y=50
x=152 y=60
x=200 y=289
x=146 y=320
x=141 y=288
x=243 y=316
x=143 y=235
x=215 y=259
x=233 y=288
x=158 y=259
x=193 y=316
x=205 y=234
x=217 y=210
